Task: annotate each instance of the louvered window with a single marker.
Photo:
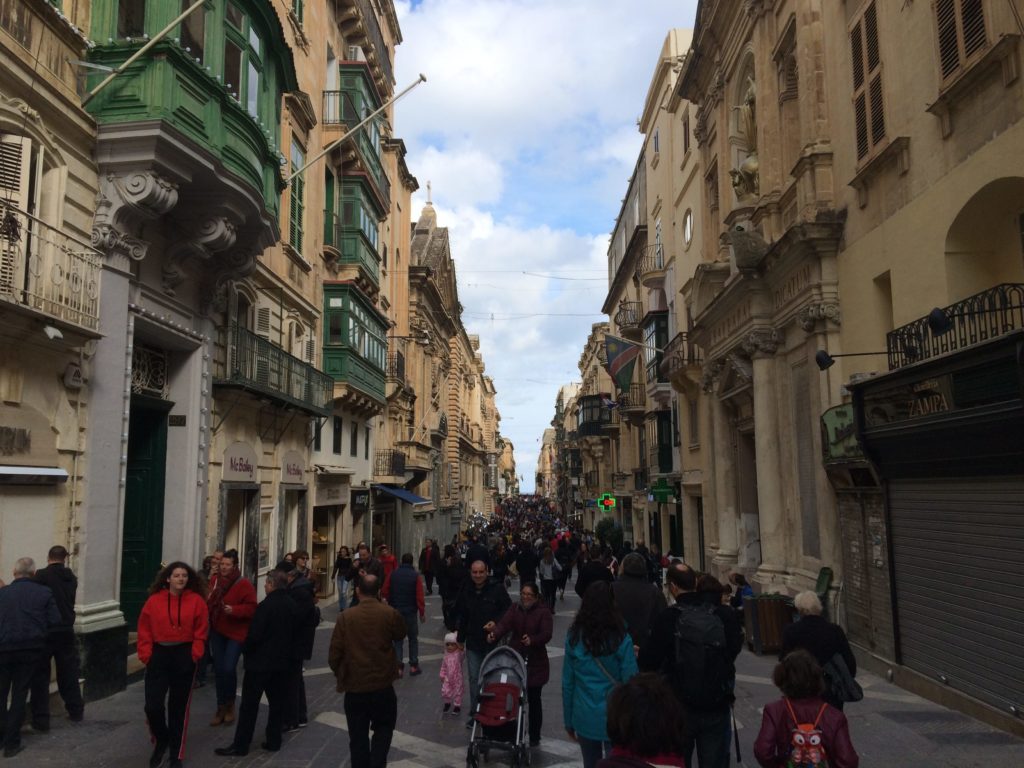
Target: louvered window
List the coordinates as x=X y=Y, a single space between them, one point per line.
x=297 y=199
x=961 y=32
x=15 y=162
x=868 y=102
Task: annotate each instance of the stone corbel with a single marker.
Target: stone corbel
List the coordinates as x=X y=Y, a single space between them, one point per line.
x=215 y=234
x=147 y=194
x=110 y=240
x=233 y=265
x=810 y=314
x=712 y=370
x=761 y=342
x=741 y=367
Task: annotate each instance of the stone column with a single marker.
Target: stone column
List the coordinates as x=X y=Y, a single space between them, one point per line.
x=724 y=475
x=761 y=345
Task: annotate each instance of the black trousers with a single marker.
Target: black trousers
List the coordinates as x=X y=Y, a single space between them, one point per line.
x=169 y=677
x=61 y=647
x=373 y=709
x=255 y=683
x=428 y=577
x=535 y=711
x=295 y=694
x=16 y=670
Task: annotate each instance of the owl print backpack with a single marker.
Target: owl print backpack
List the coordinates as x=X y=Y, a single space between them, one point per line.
x=807 y=746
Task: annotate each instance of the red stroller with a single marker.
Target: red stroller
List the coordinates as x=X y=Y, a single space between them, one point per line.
x=499 y=721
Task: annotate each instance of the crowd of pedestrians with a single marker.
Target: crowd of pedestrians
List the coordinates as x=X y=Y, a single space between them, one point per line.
x=648 y=676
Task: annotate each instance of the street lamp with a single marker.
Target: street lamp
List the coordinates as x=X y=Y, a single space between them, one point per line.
x=825 y=361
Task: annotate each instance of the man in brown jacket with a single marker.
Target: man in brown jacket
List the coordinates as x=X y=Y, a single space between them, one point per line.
x=362 y=657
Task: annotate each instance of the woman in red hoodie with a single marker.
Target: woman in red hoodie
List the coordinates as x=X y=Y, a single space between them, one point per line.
x=232 y=605
x=172 y=638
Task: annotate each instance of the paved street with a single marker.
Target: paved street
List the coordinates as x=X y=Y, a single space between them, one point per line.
x=890 y=727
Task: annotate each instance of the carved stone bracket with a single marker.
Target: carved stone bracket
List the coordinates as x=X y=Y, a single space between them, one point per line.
x=215 y=234
x=741 y=367
x=233 y=265
x=112 y=241
x=761 y=342
x=712 y=370
x=148 y=194
x=810 y=314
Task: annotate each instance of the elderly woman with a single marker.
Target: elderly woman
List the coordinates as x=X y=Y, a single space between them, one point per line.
x=820 y=638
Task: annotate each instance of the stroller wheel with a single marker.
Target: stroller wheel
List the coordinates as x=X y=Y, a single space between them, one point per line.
x=471 y=757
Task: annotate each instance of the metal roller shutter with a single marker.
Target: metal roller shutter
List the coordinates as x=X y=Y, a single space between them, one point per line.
x=958 y=563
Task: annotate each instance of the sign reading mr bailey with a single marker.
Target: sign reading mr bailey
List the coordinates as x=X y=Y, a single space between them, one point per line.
x=293 y=468
x=240 y=465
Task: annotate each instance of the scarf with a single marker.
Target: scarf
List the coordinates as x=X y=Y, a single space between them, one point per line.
x=216 y=600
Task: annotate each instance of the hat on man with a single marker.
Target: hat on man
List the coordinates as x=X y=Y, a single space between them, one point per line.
x=633 y=565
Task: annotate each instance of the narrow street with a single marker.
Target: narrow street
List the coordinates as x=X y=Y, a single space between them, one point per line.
x=891 y=728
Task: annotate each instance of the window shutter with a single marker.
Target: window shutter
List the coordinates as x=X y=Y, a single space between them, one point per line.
x=949 y=49
x=871 y=37
x=877 y=111
x=868 y=102
x=263 y=322
x=15 y=161
x=311 y=349
x=857 y=56
x=973 y=16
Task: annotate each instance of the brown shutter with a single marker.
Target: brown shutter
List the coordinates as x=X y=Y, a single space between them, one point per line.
x=972 y=15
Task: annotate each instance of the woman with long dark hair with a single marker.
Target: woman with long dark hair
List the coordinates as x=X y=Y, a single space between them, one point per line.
x=529 y=623
x=342 y=565
x=232 y=605
x=172 y=637
x=598 y=656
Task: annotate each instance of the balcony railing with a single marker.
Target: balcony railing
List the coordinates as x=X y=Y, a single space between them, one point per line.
x=388 y=462
x=680 y=353
x=635 y=399
x=256 y=364
x=652 y=262
x=48 y=270
x=395 y=370
x=628 y=318
x=983 y=316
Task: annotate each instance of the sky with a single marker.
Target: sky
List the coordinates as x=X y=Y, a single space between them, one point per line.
x=526 y=130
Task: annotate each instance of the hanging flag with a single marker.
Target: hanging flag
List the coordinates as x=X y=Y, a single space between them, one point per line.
x=622 y=357
x=608 y=403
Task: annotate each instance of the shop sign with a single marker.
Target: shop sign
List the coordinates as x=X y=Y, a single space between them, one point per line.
x=360 y=501
x=907 y=402
x=660 y=492
x=26 y=437
x=240 y=465
x=838 y=435
x=293 y=468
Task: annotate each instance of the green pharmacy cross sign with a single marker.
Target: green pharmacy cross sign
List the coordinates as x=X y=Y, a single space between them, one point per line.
x=661 y=491
x=606 y=502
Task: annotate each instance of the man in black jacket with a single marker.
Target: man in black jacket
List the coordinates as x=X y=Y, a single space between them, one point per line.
x=303 y=593
x=707 y=721
x=60 y=644
x=481 y=603
x=267 y=651
x=27 y=612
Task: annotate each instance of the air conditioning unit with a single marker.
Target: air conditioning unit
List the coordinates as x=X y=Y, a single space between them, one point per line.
x=355 y=53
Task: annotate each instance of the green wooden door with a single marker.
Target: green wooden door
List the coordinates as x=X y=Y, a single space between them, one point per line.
x=142 y=541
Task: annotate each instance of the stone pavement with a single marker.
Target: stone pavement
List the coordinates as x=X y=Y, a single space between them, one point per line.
x=890 y=727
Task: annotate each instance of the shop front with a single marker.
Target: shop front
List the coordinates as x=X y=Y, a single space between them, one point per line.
x=241 y=523
x=945 y=438
x=293 y=530
x=330 y=499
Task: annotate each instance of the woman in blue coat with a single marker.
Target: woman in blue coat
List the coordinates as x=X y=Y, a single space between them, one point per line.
x=598 y=656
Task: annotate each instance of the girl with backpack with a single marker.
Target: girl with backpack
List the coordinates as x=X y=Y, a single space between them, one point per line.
x=801 y=729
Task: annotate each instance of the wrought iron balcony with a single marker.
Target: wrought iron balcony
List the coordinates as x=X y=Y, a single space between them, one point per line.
x=387 y=462
x=593 y=415
x=633 y=400
x=47 y=270
x=628 y=319
x=680 y=354
x=650 y=268
x=978 y=318
x=395 y=370
x=257 y=365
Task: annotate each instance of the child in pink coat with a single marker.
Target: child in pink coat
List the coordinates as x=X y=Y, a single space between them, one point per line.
x=451 y=675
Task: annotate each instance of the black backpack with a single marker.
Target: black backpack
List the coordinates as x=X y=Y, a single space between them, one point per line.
x=702 y=668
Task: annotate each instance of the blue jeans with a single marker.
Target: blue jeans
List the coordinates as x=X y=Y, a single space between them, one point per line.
x=473 y=661
x=342 y=589
x=412 y=632
x=225 y=652
x=593 y=750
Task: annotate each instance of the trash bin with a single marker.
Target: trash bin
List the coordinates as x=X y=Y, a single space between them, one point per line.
x=766 y=617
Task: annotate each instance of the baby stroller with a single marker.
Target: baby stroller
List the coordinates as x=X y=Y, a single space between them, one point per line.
x=500 y=718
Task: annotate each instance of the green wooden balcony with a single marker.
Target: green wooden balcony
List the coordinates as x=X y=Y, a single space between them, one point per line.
x=256 y=365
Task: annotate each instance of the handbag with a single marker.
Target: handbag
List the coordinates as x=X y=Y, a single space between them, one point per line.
x=840 y=682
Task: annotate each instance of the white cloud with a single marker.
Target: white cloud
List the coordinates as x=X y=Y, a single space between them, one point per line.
x=526 y=129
